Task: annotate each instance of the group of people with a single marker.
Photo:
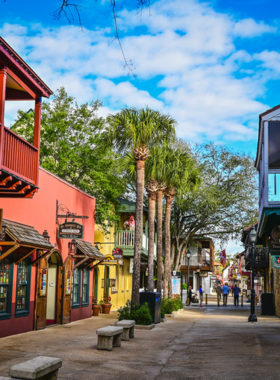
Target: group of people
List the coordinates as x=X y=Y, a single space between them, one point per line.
x=225 y=290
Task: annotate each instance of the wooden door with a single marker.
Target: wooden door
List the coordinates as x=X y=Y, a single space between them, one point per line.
x=59 y=295
x=67 y=290
x=41 y=295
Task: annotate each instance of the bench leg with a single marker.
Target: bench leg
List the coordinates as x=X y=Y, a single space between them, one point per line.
x=117 y=340
x=50 y=376
x=131 y=332
x=105 y=343
x=125 y=334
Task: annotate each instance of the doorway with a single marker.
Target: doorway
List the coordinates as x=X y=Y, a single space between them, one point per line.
x=96 y=284
x=52 y=290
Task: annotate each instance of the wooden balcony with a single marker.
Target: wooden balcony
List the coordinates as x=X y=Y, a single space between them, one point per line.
x=126 y=239
x=19 y=165
x=199 y=261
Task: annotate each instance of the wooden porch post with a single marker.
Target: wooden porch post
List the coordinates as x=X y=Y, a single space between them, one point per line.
x=37 y=128
x=3 y=80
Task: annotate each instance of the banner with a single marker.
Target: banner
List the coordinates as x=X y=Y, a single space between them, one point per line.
x=223 y=257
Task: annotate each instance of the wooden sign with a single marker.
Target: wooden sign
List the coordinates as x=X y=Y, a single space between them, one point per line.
x=70 y=230
x=112 y=262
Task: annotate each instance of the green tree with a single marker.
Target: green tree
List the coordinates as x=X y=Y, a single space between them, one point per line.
x=222 y=205
x=72 y=148
x=136 y=131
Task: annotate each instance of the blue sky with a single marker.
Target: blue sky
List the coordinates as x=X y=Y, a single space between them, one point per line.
x=214 y=66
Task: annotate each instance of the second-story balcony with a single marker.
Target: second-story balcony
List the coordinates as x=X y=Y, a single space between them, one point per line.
x=261 y=258
x=125 y=239
x=202 y=261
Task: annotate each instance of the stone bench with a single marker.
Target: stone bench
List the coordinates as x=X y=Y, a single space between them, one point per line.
x=41 y=367
x=128 y=328
x=109 y=337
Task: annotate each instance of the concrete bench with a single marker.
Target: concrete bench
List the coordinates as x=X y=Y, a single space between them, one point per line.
x=128 y=328
x=41 y=367
x=109 y=337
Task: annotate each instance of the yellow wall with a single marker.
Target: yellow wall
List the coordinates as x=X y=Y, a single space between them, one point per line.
x=118 y=272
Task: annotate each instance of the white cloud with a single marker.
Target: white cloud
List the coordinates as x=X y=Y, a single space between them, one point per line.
x=250 y=28
x=186 y=63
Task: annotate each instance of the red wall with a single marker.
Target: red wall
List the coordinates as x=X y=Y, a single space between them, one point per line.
x=40 y=212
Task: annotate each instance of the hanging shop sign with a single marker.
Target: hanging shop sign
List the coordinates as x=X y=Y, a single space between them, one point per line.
x=203 y=274
x=274 y=241
x=118 y=253
x=70 y=230
x=276 y=262
x=259 y=273
x=112 y=262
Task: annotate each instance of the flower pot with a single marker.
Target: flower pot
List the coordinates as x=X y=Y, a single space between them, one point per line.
x=95 y=310
x=106 y=308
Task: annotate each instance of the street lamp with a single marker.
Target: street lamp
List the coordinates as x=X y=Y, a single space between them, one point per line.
x=253 y=238
x=188 y=257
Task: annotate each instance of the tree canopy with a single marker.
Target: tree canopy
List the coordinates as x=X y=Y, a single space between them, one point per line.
x=73 y=149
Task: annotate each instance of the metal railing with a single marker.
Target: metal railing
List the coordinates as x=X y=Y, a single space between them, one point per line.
x=261 y=258
x=19 y=157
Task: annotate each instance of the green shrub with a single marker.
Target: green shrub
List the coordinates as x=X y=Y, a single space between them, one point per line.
x=143 y=315
x=184 y=286
x=162 y=313
x=140 y=314
x=177 y=302
x=128 y=311
x=167 y=305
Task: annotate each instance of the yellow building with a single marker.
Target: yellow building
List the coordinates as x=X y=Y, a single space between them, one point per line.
x=115 y=280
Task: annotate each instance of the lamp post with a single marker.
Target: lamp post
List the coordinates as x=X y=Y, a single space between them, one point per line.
x=188 y=257
x=253 y=238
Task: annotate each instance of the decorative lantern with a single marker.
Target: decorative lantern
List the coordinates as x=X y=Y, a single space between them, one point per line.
x=72 y=247
x=46 y=235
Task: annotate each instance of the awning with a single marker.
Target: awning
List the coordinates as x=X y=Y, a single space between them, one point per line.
x=90 y=253
x=269 y=218
x=19 y=235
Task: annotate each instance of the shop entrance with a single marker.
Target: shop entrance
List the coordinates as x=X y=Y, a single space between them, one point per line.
x=48 y=308
x=52 y=290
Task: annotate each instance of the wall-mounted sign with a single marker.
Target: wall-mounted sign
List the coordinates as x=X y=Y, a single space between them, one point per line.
x=203 y=274
x=68 y=282
x=130 y=265
x=274 y=241
x=118 y=253
x=112 y=262
x=276 y=262
x=70 y=230
x=43 y=282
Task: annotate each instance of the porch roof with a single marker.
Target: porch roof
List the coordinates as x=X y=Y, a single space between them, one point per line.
x=90 y=250
x=26 y=235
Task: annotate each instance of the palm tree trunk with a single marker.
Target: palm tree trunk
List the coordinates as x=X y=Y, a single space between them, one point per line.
x=167 y=246
x=140 y=181
x=151 y=234
x=159 y=241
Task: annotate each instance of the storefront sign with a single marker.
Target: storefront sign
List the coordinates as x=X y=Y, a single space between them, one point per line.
x=274 y=242
x=70 y=230
x=203 y=274
x=176 y=282
x=131 y=266
x=112 y=262
x=276 y=262
x=117 y=253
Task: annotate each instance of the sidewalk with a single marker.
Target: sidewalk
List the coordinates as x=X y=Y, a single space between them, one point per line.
x=200 y=343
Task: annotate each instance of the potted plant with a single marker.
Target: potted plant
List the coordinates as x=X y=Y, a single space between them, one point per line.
x=95 y=307
x=106 y=304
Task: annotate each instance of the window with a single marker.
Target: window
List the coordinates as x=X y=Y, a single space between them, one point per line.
x=23 y=288
x=76 y=288
x=273 y=144
x=85 y=287
x=5 y=288
x=273 y=187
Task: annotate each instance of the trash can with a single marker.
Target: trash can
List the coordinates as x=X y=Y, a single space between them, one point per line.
x=267 y=304
x=154 y=301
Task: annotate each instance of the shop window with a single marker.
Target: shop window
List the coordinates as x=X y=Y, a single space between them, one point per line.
x=76 y=288
x=23 y=288
x=85 y=296
x=5 y=288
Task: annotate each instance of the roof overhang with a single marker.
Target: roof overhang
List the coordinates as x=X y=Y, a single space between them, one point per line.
x=24 y=79
x=269 y=217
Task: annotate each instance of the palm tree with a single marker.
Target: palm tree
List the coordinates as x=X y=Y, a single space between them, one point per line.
x=180 y=176
x=136 y=130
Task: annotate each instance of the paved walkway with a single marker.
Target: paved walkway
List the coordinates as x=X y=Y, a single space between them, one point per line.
x=200 y=343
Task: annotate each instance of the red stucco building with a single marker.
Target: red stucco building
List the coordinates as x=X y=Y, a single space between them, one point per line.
x=45 y=276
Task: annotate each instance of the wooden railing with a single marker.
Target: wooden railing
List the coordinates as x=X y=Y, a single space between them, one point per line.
x=125 y=238
x=19 y=157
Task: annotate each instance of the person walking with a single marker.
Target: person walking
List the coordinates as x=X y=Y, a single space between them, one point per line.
x=225 y=294
x=220 y=291
x=201 y=295
x=190 y=294
x=236 y=291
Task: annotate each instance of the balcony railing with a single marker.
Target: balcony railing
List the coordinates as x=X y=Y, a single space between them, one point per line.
x=199 y=260
x=19 y=157
x=261 y=258
x=126 y=239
